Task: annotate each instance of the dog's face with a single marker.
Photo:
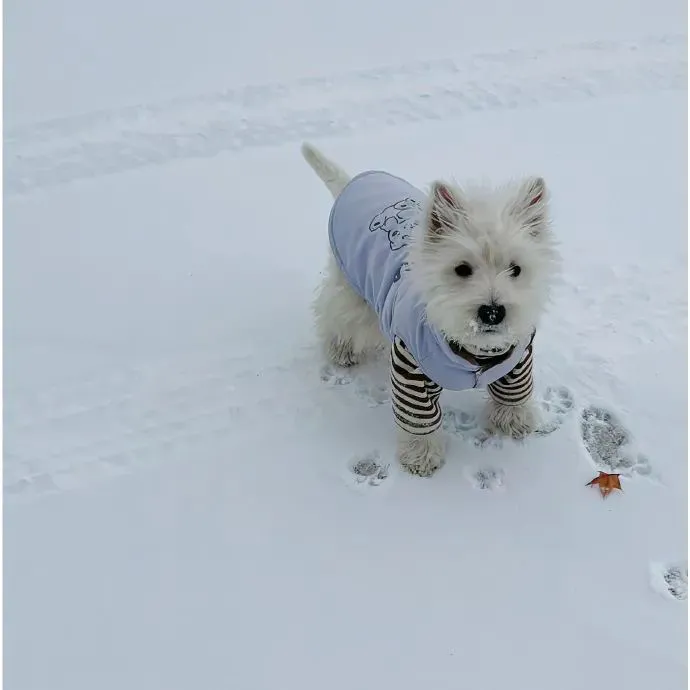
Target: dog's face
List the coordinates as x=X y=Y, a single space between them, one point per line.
x=485 y=261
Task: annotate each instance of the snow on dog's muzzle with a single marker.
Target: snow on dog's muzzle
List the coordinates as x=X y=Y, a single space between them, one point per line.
x=493 y=351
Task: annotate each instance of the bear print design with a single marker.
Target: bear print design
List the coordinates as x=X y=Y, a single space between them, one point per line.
x=398 y=221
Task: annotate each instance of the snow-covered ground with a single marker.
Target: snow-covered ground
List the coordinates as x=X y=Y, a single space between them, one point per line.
x=192 y=499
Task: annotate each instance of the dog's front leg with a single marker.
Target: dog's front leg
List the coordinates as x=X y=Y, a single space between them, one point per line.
x=511 y=410
x=421 y=455
x=415 y=398
x=516 y=421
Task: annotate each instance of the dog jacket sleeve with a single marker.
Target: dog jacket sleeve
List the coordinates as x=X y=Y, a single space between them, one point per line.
x=416 y=398
x=515 y=388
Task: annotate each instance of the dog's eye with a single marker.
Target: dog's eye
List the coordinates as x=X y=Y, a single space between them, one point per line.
x=463 y=270
x=515 y=270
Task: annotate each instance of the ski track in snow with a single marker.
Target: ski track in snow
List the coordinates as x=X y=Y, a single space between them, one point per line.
x=59 y=439
x=58 y=151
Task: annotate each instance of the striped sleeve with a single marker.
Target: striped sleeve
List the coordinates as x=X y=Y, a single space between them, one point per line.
x=515 y=388
x=415 y=397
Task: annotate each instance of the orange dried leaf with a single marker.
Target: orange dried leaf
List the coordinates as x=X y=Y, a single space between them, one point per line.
x=606 y=483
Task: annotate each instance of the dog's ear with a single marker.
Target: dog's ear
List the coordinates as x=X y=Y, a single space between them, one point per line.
x=532 y=206
x=445 y=205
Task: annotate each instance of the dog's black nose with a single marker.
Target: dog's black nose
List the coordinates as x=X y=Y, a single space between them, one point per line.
x=491 y=314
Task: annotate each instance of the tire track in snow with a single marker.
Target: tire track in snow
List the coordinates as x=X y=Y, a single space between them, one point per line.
x=62 y=150
x=62 y=438
x=59 y=439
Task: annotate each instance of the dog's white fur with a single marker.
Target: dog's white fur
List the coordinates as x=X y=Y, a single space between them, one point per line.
x=491 y=230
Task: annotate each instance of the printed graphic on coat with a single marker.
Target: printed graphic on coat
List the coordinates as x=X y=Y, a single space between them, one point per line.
x=398 y=221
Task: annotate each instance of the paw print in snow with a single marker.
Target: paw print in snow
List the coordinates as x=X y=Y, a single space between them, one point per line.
x=369 y=470
x=487 y=479
x=336 y=376
x=555 y=405
x=609 y=444
x=676 y=579
x=670 y=580
x=468 y=427
x=374 y=394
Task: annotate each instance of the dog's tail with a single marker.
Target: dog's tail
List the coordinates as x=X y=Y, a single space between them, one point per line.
x=332 y=175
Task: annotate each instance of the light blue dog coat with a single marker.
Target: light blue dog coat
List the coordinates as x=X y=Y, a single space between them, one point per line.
x=371 y=224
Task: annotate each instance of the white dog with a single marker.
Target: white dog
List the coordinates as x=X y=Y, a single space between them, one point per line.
x=454 y=283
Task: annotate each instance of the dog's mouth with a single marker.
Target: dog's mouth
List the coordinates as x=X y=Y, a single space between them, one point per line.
x=484 y=342
x=487 y=351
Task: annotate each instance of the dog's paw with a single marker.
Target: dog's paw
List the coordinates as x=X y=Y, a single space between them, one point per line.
x=421 y=455
x=515 y=421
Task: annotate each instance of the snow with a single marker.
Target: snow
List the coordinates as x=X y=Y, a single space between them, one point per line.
x=180 y=505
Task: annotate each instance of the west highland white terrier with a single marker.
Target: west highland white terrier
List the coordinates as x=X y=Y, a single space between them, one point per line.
x=454 y=283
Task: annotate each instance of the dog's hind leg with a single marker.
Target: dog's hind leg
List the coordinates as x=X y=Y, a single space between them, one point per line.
x=347 y=326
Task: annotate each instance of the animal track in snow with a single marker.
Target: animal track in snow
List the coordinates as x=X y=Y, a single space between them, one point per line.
x=487 y=479
x=334 y=375
x=610 y=444
x=670 y=580
x=367 y=388
x=676 y=579
x=372 y=393
x=467 y=426
x=369 y=470
x=555 y=405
